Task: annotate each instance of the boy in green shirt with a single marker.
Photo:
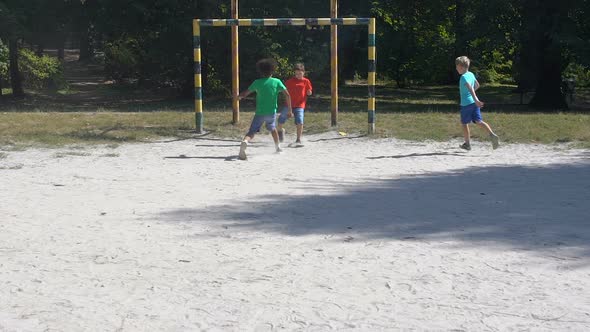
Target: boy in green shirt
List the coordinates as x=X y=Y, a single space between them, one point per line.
x=267 y=91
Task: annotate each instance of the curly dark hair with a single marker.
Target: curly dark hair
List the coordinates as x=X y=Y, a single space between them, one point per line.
x=266 y=67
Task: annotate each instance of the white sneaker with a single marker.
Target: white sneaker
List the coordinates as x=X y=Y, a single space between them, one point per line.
x=243 y=147
x=279 y=150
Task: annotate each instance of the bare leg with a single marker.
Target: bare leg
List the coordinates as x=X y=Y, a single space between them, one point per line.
x=486 y=127
x=466 y=133
x=299 y=132
x=280 y=132
x=243 y=147
x=275 y=136
x=493 y=137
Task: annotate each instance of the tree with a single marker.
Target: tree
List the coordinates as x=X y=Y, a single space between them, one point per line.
x=542 y=60
x=11 y=28
x=86 y=26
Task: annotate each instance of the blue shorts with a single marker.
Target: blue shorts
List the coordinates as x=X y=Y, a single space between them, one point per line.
x=257 y=122
x=297 y=115
x=470 y=113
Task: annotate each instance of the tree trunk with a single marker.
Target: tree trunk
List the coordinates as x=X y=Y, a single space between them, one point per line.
x=526 y=62
x=40 y=49
x=86 y=42
x=549 y=66
x=86 y=50
x=61 y=53
x=15 y=77
x=548 y=94
x=61 y=45
x=460 y=47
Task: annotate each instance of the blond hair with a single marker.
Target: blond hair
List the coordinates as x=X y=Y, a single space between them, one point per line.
x=463 y=61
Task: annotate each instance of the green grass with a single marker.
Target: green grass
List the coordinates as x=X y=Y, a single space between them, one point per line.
x=120 y=115
x=66 y=91
x=20 y=129
x=58 y=128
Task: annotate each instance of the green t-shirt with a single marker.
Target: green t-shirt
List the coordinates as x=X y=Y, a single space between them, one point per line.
x=267 y=90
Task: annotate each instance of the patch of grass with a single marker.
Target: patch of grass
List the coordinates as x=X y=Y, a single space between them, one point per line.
x=12 y=146
x=60 y=129
x=67 y=91
x=543 y=128
x=425 y=113
x=110 y=155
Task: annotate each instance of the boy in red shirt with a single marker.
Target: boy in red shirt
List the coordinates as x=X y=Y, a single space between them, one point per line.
x=299 y=87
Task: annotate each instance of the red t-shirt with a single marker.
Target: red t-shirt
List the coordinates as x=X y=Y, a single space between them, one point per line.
x=298 y=90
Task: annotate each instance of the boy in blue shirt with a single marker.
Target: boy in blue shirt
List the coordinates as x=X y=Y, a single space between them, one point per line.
x=470 y=104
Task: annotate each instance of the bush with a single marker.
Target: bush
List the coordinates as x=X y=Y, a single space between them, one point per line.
x=578 y=72
x=40 y=71
x=3 y=63
x=123 y=58
x=495 y=68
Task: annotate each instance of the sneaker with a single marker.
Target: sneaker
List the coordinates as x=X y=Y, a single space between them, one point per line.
x=298 y=143
x=495 y=141
x=281 y=135
x=243 y=147
x=465 y=146
x=279 y=150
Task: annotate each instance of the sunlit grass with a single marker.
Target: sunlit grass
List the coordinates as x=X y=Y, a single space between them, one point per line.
x=57 y=129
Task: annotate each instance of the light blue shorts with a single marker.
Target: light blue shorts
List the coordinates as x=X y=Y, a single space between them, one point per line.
x=297 y=115
x=257 y=122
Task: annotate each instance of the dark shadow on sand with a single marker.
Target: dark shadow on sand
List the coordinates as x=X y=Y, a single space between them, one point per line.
x=230 y=158
x=522 y=208
x=411 y=155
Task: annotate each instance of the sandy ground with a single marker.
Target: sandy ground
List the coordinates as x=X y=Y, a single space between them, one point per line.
x=346 y=234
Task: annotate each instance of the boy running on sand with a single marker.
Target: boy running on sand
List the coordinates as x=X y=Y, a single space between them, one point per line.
x=299 y=88
x=470 y=104
x=267 y=90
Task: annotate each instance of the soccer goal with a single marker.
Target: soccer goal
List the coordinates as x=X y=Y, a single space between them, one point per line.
x=370 y=22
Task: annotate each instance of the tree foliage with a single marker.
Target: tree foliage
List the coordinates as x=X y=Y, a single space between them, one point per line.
x=149 y=41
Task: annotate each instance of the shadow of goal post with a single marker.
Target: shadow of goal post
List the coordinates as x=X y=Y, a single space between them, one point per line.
x=372 y=67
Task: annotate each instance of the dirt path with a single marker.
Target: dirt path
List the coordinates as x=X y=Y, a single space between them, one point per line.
x=345 y=234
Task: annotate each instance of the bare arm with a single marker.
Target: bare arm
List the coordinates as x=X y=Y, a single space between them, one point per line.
x=244 y=94
x=472 y=91
x=476 y=85
x=288 y=101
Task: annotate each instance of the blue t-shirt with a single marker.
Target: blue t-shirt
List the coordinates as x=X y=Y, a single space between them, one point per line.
x=466 y=97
